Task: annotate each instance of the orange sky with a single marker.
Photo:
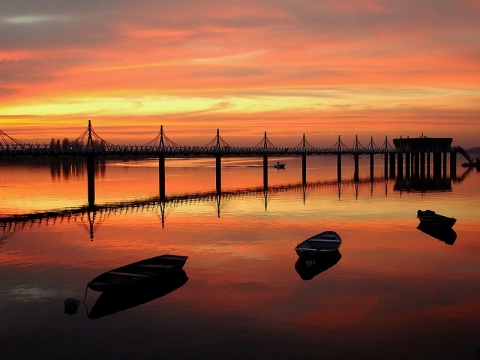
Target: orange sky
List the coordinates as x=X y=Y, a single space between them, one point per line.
x=324 y=68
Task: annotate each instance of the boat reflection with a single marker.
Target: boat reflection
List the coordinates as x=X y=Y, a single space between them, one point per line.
x=447 y=235
x=311 y=267
x=110 y=302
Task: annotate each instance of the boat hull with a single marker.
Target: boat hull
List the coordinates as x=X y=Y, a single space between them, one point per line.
x=325 y=242
x=429 y=218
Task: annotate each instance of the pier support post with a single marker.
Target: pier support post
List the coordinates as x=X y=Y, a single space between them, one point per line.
x=91 y=180
x=437 y=165
x=400 y=165
x=407 y=165
x=218 y=174
x=453 y=164
x=355 y=174
x=265 y=172
x=429 y=165
x=339 y=167
x=372 y=167
x=422 y=165
x=444 y=164
x=385 y=165
x=161 y=176
x=416 y=165
x=304 y=170
x=392 y=165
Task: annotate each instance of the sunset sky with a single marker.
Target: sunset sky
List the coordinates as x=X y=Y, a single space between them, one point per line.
x=320 y=67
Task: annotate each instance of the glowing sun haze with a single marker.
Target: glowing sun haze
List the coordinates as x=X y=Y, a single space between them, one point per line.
x=321 y=67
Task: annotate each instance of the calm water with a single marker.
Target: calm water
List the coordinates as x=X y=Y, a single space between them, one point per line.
x=395 y=292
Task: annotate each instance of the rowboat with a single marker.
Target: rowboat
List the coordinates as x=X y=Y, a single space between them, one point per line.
x=279 y=165
x=432 y=219
x=324 y=242
x=138 y=273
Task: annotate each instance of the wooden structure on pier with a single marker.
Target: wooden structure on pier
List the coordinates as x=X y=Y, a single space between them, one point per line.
x=422 y=143
x=417 y=153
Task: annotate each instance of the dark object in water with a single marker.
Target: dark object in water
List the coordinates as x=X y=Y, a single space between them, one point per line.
x=326 y=241
x=432 y=219
x=446 y=234
x=71 y=306
x=138 y=273
x=314 y=265
x=110 y=302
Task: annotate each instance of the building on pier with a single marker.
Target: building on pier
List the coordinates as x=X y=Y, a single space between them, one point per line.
x=420 y=158
x=422 y=143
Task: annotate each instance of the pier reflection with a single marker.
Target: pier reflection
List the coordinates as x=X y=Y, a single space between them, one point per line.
x=309 y=268
x=91 y=216
x=423 y=185
x=111 y=302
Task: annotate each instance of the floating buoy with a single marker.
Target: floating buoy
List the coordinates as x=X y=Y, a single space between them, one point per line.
x=71 y=306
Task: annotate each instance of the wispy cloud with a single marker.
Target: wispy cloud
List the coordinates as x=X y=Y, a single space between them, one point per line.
x=37 y=18
x=230 y=58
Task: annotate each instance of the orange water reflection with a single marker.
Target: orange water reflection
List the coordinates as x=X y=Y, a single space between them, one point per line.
x=393 y=284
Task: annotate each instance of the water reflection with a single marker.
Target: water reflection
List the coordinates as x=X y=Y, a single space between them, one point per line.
x=92 y=216
x=423 y=185
x=111 y=302
x=447 y=235
x=311 y=267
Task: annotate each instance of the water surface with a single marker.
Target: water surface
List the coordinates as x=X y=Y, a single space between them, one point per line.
x=395 y=292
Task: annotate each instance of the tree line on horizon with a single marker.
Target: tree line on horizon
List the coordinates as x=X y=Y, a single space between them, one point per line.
x=67 y=144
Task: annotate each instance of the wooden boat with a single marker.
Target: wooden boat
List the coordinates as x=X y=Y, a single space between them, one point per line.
x=432 y=219
x=138 y=273
x=279 y=165
x=326 y=241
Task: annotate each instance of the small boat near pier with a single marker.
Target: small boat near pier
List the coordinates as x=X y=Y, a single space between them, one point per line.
x=431 y=219
x=325 y=242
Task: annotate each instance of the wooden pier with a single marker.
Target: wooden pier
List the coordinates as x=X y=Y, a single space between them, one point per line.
x=417 y=158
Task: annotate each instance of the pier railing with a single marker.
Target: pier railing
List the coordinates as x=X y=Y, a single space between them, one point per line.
x=175 y=151
x=89 y=144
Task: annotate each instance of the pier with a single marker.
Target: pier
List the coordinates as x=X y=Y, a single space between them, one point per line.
x=408 y=159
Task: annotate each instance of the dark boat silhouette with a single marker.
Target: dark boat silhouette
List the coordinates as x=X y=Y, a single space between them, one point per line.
x=325 y=242
x=138 y=273
x=432 y=219
x=447 y=235
x=111 y=302
x=310 y=267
